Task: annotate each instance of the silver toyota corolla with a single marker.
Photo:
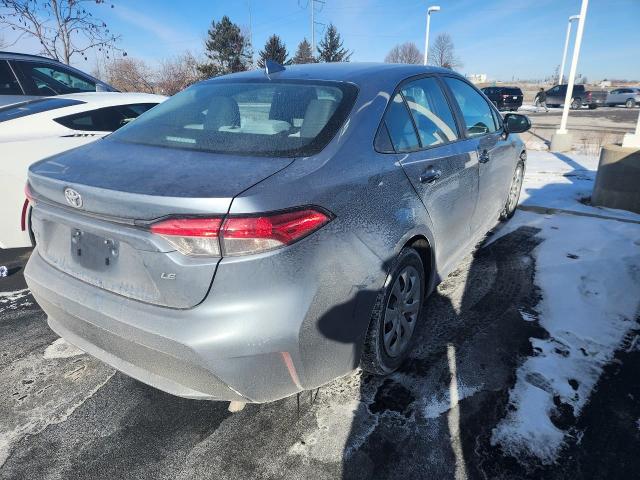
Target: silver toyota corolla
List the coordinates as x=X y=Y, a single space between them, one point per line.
x=261 y=234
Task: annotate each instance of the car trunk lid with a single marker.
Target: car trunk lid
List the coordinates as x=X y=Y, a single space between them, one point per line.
x=103 y=239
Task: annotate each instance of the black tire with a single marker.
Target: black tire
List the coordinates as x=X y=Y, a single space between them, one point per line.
x=511 y=204
x=630 y=103
x=576 y=103
x=592 y=107
x=376 y=356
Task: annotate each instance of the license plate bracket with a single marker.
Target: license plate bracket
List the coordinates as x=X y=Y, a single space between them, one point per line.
x=93 y=252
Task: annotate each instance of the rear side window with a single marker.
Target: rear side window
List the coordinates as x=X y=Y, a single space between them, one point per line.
x=8 y=82
x=30 y=107
x=107 y=119
x=477 y=114
x=431 y=112
x=47 y=79
x=259 y=117
x=400 y=127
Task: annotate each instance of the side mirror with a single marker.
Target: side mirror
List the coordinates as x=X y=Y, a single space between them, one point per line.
x=516 y=123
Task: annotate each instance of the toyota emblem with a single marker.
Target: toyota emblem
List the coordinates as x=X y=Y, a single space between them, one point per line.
x=73 y=198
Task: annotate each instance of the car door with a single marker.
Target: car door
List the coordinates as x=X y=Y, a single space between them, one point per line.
x=442 y=168
x=556 y=95
x=496 y=155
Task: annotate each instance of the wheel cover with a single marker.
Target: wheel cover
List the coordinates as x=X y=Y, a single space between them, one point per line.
x=401 y=312
x=514 y=191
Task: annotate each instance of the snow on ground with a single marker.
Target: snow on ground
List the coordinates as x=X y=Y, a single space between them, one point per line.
x=588 y=271
x=562 y=181
x=14 y=300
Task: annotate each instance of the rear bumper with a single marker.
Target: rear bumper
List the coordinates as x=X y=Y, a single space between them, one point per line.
x=242 y=343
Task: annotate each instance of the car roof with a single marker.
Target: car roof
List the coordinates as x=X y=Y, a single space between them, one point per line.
x=352 y=72
x=24 y=56
x=97 y=99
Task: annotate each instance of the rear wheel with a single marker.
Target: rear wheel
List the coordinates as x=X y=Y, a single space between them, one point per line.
x=630 y=103
x=514 y=192
x=576 y=104
x=592 y=107
x=395 y=315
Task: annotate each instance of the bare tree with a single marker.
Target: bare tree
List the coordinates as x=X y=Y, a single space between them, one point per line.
x=177 y=73
x=129 y=75
x=405 y=53
x=443 y=53
x=64 y=28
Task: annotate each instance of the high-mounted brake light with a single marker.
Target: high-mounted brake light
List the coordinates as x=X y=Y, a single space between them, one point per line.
x=239 y=235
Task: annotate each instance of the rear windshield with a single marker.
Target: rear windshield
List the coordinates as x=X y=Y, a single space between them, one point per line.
x=266 y=118
x=30 y=107
x=511 y=91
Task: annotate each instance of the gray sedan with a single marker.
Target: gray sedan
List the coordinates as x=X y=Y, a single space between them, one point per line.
x=261 y=234
x=629 y=97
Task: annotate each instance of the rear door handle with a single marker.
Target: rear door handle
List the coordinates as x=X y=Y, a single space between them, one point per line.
x=430 y=175
x=483 y=156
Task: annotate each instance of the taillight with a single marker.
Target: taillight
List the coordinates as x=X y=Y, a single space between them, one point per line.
x=28 y=194
x=191 y=236
x=239 y=235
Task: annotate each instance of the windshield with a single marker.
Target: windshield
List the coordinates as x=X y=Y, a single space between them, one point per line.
x=268 y=118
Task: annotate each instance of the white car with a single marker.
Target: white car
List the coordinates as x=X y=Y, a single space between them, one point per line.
x=36 y=129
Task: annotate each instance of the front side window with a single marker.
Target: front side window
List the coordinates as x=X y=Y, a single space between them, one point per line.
x=264 y=118
x=400 y=127
x=53 y=80
x=107 y=119
x=431 y=112
x=8 y=82
x=475 y=110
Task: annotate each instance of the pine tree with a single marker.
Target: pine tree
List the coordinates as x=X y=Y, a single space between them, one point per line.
x=331 y=47
x=304 y=53
x=274 y=50
x=227 y=49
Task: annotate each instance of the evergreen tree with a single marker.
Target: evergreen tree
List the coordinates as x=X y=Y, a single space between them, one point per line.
x=304 y=53
x=227 y=49
x=331 y=47
x=274 y=50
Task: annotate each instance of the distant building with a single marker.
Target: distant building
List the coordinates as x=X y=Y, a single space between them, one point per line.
x=477 y=77
x=605 y=84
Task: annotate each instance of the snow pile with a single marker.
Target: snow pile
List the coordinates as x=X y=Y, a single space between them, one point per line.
x=14 y=300
x=588 y=271
x=61 y=349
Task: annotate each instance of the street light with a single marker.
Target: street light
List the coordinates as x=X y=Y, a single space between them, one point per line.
x=561 y=141
x=433 y=8
x=566 y=46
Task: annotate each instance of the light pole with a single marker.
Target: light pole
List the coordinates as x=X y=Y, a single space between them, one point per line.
x=433 y=8
x=566 y=47
x=561 y=141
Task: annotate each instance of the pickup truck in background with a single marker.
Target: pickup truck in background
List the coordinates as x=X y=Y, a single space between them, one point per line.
x=581 y=97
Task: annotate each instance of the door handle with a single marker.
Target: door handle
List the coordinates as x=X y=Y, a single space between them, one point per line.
x=430 y=175
x=483 y=156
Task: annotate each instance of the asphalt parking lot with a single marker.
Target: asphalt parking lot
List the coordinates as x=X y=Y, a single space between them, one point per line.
x=64 y=415
x=612 y=120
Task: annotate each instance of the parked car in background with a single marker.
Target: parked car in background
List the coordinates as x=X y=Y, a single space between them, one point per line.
x=225 y=248
x=505 y=98
x=581 y=97
x=627 y=96
x=36 y=129
x=23 y=77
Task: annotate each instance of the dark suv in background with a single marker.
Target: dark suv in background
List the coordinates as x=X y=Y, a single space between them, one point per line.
x=24 y=77
x=505 y=98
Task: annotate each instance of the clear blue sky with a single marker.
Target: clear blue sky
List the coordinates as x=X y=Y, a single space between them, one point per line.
x=502 y=38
